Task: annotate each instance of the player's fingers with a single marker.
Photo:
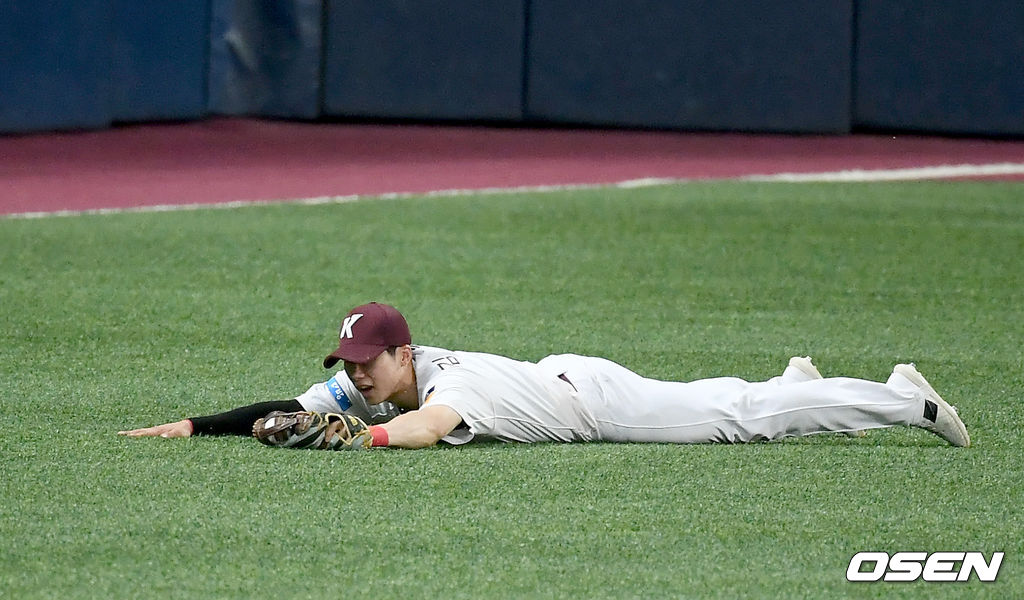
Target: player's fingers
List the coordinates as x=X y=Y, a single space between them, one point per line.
x=138 y=432
x=159 y=430
x=168 y=430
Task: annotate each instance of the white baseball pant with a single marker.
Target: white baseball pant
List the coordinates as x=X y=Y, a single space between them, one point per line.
x=627 y=407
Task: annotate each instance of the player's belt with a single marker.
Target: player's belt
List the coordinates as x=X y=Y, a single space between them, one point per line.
x=566 y=379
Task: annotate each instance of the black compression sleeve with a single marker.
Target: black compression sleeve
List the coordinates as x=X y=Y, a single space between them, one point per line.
x=239 y=421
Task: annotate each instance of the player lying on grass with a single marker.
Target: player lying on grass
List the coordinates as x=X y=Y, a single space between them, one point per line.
x=392 y=393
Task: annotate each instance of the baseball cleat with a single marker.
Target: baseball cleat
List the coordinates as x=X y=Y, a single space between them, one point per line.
x=801 y=369
x=937 y=416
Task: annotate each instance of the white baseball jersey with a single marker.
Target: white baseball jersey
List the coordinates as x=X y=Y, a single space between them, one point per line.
x=570 y=398
x=501 y=398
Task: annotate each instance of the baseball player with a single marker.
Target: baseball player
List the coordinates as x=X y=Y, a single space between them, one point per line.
x=392 y=393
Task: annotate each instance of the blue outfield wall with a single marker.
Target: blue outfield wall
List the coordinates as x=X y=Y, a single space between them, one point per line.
x=702 y=64
x=943 y=66
x=425 y=59
x=157 y=60
x=949 y=66
x=54 y=66
x=266 y=57
x=89 y=63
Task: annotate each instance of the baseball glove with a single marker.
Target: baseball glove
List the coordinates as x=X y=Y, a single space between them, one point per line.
x=320 y=431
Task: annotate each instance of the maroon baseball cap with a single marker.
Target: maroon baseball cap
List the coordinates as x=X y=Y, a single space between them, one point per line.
x=367 y=331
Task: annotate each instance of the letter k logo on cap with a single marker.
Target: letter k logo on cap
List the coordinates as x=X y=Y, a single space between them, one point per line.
x=346 y=327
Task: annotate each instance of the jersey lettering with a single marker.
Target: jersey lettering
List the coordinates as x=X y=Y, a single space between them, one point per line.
x=445 y=362
x=346 y=327
x=334 y=387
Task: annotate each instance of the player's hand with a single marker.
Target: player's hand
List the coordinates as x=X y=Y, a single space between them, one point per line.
x=178 y=429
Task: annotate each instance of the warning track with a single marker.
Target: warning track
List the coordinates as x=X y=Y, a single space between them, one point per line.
x=233 y=162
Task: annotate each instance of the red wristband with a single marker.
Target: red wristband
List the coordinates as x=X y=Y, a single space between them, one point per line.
x=380 y=435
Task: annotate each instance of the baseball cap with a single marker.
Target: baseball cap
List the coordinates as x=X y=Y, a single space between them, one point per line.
x=367 y=331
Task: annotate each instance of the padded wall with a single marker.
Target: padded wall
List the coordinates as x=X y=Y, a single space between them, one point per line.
x=953 y=66
x=158 y=53
x=942 y=66
x=703 y=64
x=424 y=59
x=265 y=57
x=54 y=57
x=71 y=64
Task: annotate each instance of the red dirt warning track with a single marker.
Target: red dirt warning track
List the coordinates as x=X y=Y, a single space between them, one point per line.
x=230 y=160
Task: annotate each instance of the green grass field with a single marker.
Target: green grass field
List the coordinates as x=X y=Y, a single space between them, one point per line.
x=127 y=320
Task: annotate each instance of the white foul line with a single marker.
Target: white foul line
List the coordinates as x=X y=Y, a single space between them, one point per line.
x=854 y=175
x=939 y=172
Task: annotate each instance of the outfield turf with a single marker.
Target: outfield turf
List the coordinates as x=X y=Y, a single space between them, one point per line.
x=118 y=321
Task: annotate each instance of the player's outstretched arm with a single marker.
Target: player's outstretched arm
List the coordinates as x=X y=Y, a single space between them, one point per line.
x=233 y=422
x=421 y=428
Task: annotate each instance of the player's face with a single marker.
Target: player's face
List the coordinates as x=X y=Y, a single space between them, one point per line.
x=380 y=378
